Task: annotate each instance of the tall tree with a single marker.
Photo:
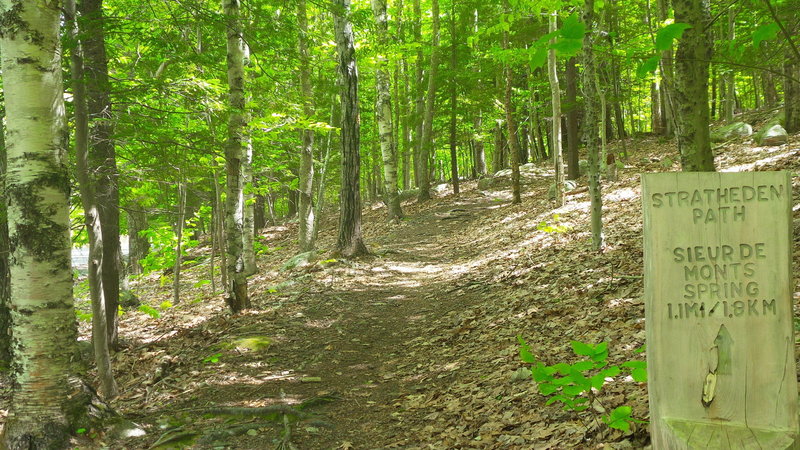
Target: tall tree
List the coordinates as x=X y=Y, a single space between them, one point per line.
x=792 y=95
x=405 y=102
x=573 y=144
x=591 y=123
x=102 y=154
x=511 y=121
x=306 y=175
x=419 y=89
x=558 y=156
x=691 y=86
x=730 y=75
x=5 y=276
x=383 y=109
x=453 y=100
x=237 y=297
x=430 y=103
x=91 y=208
x=44 y=335
x=350 y=242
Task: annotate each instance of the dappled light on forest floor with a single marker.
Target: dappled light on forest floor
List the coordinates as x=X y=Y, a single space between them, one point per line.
x=414 y=346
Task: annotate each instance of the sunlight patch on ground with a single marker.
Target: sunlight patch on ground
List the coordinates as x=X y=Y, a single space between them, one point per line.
x=623 y=302
x=762 y=161
x=621 y=195
x=403 y=268
x=320 y=323
x=228 y=379
x=574 y=206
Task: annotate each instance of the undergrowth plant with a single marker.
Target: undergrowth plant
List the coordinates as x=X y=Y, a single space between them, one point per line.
x=576 y=386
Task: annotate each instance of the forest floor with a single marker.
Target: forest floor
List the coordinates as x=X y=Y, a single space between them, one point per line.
x=415 y=346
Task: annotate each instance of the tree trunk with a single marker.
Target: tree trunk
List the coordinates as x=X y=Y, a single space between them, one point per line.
x=93 y=222
x=306 y=175
x=420 y=91
x=179 y=223
x=350 y=242
x=405 y=104
x=791 y=89
x=453 y=101
x=558 y=158
x=691 y=86
x=478 y=146
x=139 y=246
x=430 y=102
x=237 y=297
x=44 y=334
x=248 y=210
x=590 y=122
x=730 y=74
x=667 y=85
x=383 y=108
x=499 y=148
x=102 y=154
x=220 y=218
x=511 y=123
x=5 y=276
x=770 y=93
x=573 y=143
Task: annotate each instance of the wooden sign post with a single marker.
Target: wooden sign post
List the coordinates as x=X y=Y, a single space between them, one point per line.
x=718 y=305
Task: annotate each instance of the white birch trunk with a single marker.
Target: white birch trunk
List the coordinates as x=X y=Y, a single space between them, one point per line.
x=249 y=201
x=237 y=297
x=306 y=175
x=558 y=157
x=383 y=109
x=42 y=314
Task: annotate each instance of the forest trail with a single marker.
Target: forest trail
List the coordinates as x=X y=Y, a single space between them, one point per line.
x=341 y=334
x=415 y=346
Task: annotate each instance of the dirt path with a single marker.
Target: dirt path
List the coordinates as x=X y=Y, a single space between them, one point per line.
x=339 y=335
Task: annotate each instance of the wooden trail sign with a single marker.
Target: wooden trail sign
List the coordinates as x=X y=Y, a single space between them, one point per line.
x=718 y=305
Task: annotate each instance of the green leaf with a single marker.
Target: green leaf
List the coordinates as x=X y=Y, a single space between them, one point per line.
x=649 y=66
x=150 y=311
x=525 y=351
x=669 y=33
x=547 y=388
x=582 y=349
x=766 y=32
x=583 y=366
x=597 y=381
x=562 y=368
x=641 y=349
x=600 y=351
x=538 y=56
x=567 y=47
x=572 y=390
x=579 y=379
x=572 y=28
x=620 y=418
x=639 y=374
x=610 y=371
x=563 y=381
x=540 y=373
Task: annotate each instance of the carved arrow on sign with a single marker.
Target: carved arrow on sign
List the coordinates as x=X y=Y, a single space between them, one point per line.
x=723 y=342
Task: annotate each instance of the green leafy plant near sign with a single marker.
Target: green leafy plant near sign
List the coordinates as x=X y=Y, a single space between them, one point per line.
x=577 y=385
x=554 y=227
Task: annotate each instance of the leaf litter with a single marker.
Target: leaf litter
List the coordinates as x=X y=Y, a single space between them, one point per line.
x=415 y=346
